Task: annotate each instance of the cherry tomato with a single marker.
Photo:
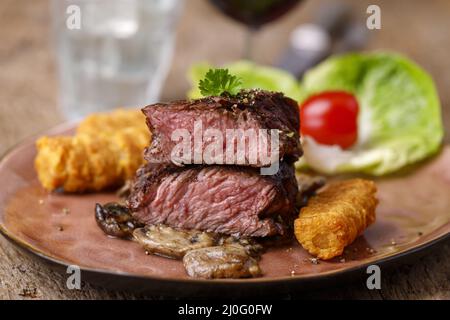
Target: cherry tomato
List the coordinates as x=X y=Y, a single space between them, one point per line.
x=330 y=118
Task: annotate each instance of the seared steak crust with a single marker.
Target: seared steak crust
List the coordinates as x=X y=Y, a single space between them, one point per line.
x=254 y=109
x=225 y=199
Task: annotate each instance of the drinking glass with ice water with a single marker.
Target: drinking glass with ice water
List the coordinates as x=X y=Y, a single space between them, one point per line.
x=112 y=53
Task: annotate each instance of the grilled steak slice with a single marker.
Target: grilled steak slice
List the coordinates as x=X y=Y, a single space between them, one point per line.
x=224 y=199
x=244 y=114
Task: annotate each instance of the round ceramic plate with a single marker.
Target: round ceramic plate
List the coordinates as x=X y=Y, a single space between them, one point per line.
x=413 y=214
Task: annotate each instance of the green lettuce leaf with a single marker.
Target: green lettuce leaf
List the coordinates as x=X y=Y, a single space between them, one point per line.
x=399 y=121
x=253 y=76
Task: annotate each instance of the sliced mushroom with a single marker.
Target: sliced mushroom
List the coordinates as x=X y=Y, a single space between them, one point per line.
x=252 y=247
x=170 y=242
x=227 y=261
x=115 y=220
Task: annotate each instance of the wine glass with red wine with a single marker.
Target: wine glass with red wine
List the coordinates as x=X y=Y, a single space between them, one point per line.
x=254 y=13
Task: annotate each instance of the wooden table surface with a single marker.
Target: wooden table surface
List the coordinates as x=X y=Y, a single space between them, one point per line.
x=28 y=104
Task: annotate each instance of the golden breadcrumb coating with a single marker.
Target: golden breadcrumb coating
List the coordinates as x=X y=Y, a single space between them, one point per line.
x=336 y=216
x=105 y=151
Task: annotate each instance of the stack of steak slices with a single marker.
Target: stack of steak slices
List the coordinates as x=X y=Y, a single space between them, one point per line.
x=205 y=165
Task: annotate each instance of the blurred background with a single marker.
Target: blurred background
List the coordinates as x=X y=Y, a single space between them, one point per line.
x=32 y=44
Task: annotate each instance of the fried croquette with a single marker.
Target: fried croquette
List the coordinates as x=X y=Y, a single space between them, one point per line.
x=105 y=152
x=335 y=217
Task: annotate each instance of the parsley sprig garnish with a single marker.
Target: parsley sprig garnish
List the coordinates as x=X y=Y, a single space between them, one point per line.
x=219 y=81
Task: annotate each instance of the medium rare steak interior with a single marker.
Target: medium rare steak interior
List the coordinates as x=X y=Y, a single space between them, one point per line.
x=233 y=200
x=201 y=206
x=249 y=110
